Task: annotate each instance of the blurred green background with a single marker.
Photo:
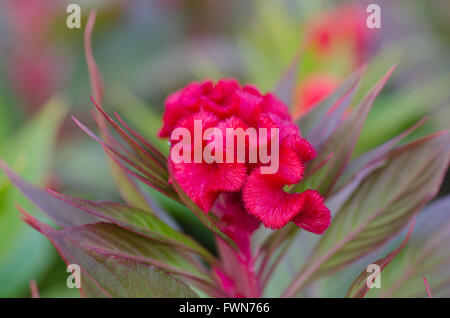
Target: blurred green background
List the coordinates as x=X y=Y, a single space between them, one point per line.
x=147 y=49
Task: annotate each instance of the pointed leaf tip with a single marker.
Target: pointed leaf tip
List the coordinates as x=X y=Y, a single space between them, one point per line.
x=94 y=72
x=360 y=287
x=33 y=222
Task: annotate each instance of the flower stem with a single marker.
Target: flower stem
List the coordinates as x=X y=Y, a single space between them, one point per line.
x=239 y=267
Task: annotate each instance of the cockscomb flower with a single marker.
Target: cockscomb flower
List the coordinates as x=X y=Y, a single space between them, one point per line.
x=229 y=105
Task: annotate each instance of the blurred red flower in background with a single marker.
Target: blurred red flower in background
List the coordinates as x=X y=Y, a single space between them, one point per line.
x=35 y=70
x=340 y=32
x=344 y=26
x=311 y=91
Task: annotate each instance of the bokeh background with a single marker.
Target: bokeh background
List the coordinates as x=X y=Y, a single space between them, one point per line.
x=146 y=49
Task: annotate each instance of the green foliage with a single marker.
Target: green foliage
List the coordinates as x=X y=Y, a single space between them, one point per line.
x=426 y=254
x=112 y=270
x=137 y=221
x=23 y=254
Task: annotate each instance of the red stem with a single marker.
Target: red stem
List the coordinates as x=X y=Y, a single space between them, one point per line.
x=239 y=267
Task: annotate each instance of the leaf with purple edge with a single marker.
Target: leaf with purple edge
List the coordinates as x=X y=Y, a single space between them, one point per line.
x=138 y=221
x=126 y=185
x=426 y=255
x=285 y=87
x=369 y=158
x=63 y=214
x=381 y=205
x=94 y=72
x=149 y=158
x=146 y=144
x=120 y=160
x=118 y=263
x=360 y=286
x=330 y=122
x=28 y=150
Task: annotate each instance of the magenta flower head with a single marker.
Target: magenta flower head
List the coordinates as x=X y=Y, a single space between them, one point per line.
x=231 y=140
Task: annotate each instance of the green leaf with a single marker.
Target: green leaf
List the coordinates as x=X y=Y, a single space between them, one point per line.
x=23 y=254
x=142 y=280
x=138 y=221
x=381 y=205
x=294 y=253
x=59 y=212
x=358 y=165
x=329 y=121
x=396 y=111
x=118 y=263
x=360 y=287
x=426 y=254
x=127 y=186
x=149 y=160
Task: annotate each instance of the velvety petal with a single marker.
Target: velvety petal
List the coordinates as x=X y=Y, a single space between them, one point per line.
x=235 y=123
x=314 y=216
x=191 y=94
x=218 y=98
x=173 y=113
x=264 y=198
x=208 y=120
x=221 y=110
x=301 y=146
x=273 y=105
x=204 y=182
x=271 y=120
x=249 y=106
x=182 y=103
x=223 y=91
x=291 y=167
x=252 y=89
